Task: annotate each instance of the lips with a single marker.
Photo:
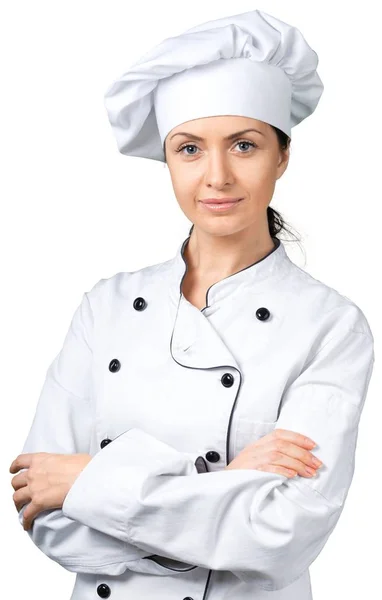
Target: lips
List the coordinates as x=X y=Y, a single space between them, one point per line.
x=220 y=200
x=220 y=205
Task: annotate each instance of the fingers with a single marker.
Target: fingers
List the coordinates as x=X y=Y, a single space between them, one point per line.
x=278 y=469
x=20 y=497
x=24 y=461
x=19 y=481
x=296 y=456
x=29 y=515
x=294 y=437
x=287 y=452
x=280 y=459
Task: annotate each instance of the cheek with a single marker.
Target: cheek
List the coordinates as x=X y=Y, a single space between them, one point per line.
x=186 y=193
x=260 y=185
x=185 y=184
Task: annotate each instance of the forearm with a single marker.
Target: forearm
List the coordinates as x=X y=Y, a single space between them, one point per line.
x=253 y=523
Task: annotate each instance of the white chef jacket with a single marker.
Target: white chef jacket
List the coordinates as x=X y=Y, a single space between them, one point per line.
x=163 y=396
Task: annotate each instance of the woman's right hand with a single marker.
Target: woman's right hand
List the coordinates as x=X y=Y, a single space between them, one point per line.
x=280 y=451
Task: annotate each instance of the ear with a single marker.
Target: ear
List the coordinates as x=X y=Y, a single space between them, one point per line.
x=283 y=161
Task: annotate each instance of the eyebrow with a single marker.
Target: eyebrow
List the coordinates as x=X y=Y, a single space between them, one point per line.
x=228 y=137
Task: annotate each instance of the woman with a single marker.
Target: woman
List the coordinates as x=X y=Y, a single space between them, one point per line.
x=208 y=380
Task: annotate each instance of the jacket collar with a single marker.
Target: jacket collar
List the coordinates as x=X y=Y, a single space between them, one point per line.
x=258 y=275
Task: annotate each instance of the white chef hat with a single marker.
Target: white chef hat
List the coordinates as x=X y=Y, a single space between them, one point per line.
x=268 y=73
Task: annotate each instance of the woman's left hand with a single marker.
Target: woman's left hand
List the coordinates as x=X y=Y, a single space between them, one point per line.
x=46 y=481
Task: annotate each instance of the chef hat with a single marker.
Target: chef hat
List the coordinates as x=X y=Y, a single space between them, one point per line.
x=268 y=73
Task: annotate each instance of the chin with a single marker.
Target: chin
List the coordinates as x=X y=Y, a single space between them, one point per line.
x=221 y=226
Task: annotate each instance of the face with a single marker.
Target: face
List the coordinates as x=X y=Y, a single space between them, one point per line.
x=224 y=164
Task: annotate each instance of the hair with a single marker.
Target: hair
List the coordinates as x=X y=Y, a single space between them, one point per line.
x=276 y=222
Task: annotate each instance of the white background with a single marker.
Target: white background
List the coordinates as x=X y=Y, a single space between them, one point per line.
x=74 y=210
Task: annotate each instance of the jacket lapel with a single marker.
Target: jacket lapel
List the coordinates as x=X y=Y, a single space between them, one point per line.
x=195 y=343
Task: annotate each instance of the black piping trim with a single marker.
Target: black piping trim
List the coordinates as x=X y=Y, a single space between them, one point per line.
x=277 y=244
x=230 y=419
x=207 y=584
x=151 y=557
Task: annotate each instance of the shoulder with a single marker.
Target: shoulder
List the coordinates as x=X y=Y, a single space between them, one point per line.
x=109 y=292
x=315 y=299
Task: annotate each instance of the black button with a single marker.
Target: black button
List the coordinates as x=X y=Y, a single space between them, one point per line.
x=201 y=465
x=188 y=598
x=213 y=456
x=227 y=380
x=114 y=365
x=103 y=590
x=139 y=303
x=262 y=313
x=105 y=442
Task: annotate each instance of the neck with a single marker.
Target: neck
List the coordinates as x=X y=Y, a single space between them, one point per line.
x=213 y=257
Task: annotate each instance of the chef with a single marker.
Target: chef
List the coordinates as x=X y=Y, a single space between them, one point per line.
x=169 y=454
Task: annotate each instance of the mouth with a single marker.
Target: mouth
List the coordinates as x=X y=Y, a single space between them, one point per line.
x=220 y=205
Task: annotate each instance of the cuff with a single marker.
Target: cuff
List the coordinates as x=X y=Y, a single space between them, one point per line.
x=109 y=486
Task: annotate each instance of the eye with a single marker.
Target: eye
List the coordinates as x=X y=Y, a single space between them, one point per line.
x=246 y=142
x=184 y=146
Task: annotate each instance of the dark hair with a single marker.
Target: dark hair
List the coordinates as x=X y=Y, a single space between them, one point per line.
x=276 y=222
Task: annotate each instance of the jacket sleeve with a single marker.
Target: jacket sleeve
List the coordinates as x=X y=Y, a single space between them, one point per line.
x=265 y=527
x=63 y=423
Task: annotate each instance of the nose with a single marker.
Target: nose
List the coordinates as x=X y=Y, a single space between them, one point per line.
x=218 y=171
